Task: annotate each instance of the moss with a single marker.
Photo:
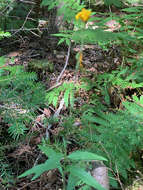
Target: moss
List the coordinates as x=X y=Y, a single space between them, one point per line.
x=38 y=65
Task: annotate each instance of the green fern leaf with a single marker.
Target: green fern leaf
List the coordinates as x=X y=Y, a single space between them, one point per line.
x=55 y=100
x=66 y=97
x=17 y=129
x=72 y=99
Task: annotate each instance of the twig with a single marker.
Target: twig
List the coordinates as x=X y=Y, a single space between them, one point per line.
x=27 y=2
x=24 y=186
x=118 y=178
x=66 y=63
x=6 y=8
x=56 y=114
x=54 y=86
x=25 y=29
x=17 y=110
x=24 y=21
x=37 y=159
x=108 y=155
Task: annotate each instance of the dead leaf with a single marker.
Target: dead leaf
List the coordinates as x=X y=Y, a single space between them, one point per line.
x=13 y=54
x=47 y=112
x=21 y=150
x=40 y=118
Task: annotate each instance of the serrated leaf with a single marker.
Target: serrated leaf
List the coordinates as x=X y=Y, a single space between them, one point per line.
x=80 y=173
x=55 y=100
x=72 y=98
x=49 y=97
x=41 y=168
x=87 y=156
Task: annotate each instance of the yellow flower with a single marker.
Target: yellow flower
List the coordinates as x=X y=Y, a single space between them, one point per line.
x=84 y=15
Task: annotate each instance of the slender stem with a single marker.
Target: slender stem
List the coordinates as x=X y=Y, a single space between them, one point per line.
x=78 y=61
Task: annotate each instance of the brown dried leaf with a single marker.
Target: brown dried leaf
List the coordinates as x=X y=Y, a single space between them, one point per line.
x=47 y=112
x=14 y=54
x=39 y=118
x=22 y=149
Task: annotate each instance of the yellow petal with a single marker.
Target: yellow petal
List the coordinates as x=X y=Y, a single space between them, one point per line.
x=78 y=15
x=84 y=15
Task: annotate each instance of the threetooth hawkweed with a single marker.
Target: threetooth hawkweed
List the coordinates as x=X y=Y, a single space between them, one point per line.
x=84 y=15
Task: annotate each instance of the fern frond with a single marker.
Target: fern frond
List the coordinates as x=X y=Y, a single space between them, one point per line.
x=16 y=130
x=118 y=133
x=67 y=89
x=20 y=96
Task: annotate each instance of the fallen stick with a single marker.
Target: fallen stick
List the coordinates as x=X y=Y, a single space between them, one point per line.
x=66 y=63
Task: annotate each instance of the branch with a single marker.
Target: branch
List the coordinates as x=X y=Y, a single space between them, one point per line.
x=66 y=63
x=24 y=21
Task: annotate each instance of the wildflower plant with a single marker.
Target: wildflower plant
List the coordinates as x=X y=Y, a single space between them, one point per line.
x=84 y=15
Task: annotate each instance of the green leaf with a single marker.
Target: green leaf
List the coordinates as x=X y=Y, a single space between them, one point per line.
x=93 y=36
x=117 y=3
x=132 y=9
x=41 y=168
x=50 y=152
x=65 y=36
x=2 y=61
x=80 y=155
x=72 y=98
x=141 y=99
x=66 y=97
x=4 y=34
x=68 y=42
x=50 y=3
x=72 y=181
x=81 y=174
x=55 y=100
x=61 y=41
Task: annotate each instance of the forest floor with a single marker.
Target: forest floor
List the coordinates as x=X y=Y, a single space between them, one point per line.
x=95 y=61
